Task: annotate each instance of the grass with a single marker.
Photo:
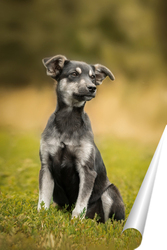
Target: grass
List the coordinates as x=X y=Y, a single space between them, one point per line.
x=22 y=227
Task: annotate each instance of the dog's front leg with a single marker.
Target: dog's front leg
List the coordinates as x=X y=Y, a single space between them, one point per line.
x=46 y=186
x=87 y=178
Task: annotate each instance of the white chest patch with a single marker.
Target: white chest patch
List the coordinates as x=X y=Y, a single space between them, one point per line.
x=81 y=149
x=84 y=152
x=49 y=146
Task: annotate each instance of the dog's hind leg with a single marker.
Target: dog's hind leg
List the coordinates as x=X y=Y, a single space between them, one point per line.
x=107 y=202
x=46 y=186
x=113 y=205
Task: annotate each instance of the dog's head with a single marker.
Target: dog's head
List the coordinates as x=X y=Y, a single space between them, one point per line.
x=77 y=81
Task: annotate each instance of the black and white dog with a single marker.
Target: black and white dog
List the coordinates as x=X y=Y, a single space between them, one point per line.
x=72 y=170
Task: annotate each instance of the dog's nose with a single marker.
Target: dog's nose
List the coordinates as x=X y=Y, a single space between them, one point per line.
x=92 y=89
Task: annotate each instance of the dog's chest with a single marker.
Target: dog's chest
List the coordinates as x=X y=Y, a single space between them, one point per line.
x=65 y=148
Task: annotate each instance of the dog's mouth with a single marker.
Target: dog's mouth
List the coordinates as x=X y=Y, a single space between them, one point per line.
x=84 y=97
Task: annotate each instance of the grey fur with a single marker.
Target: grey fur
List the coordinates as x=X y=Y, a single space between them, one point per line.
x=72 y=170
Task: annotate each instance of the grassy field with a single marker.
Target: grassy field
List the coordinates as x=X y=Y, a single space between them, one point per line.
x=22 y=227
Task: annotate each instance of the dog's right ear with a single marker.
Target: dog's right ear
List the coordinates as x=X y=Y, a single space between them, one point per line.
x=54 y=65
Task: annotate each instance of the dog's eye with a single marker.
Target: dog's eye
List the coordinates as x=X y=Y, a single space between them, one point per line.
x=92 y=77
x=74 y=74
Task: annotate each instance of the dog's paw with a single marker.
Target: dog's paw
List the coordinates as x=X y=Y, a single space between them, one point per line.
x=78 y=213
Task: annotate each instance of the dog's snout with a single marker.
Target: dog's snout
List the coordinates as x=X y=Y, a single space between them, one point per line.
x=92 y=89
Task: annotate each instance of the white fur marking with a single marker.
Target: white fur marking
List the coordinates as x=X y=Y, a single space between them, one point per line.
x=90 y=73
x=79 y=70
x=85 y=151
x=78 y=104
x=46 y=192
x=81 y=204
x=83 y=155
x=82 y=81
x=48 y=146
x=67 y=90
x=107 y=203
x=84 y=193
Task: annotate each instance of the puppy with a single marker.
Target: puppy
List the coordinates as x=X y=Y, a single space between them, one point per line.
x=72 y=169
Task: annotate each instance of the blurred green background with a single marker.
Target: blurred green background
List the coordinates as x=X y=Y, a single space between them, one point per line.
x=129 y=37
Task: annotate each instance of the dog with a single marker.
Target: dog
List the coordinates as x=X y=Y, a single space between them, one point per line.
x=72 y=169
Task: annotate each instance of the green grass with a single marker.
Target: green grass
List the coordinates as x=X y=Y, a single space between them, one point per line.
x=22 y=227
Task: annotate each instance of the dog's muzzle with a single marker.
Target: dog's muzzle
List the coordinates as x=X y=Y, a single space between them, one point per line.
x=84 y=97
x=86 y=94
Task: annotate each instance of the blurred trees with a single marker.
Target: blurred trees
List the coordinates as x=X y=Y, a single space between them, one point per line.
x=120 y=34
x=161 y=21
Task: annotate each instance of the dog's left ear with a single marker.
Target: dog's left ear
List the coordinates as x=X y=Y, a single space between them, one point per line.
x=101 y=73
x=54 y=65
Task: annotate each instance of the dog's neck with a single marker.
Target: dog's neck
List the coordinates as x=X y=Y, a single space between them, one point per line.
x=69 y=119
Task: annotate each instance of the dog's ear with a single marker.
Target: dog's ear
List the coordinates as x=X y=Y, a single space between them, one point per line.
x=54 y=65
x=101 y=73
